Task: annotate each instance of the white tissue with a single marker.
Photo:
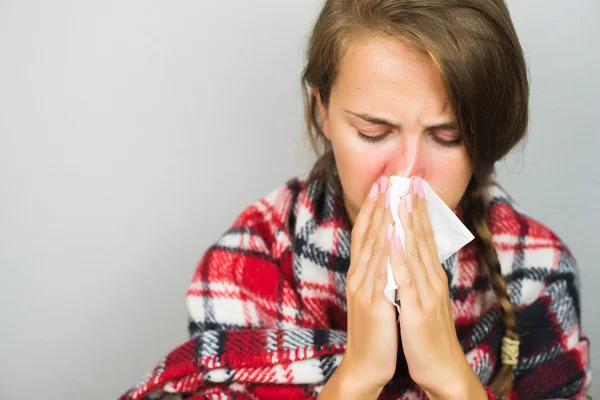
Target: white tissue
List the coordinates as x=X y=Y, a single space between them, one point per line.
x=450 y=233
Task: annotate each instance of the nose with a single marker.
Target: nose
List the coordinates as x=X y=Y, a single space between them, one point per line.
x=409 y=158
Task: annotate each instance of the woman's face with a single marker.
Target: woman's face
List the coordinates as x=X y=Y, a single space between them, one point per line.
x=388 y=114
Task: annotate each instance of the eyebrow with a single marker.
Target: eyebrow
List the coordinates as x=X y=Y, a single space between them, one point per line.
x=446 y=126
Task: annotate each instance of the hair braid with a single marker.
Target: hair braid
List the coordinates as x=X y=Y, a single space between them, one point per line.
x=476 y=208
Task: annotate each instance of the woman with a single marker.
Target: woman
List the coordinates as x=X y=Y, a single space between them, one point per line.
x=289 y=302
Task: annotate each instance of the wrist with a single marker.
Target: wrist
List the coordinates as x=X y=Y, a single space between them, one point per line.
x=355 y=384
x=463 y=386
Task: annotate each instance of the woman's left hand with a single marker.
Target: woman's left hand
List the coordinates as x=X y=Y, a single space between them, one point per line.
x=436 y=362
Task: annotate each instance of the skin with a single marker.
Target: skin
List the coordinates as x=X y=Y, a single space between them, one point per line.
x=393 y=81
x=435 y=359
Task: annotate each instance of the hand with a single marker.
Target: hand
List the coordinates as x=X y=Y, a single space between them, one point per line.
x=370 y=358
x=435 y=359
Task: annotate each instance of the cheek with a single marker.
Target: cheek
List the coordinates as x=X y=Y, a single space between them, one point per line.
x=359 y=165
x=449 y=178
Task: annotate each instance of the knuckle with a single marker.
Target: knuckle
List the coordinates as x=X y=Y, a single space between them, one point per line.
x=364 y=258
x=386 y=249
x=382 y=273
x=407 y=283
x=365 y=208
x=416 y=256
x=351 y=287
x=442 y=290
x=429 y=234
x=371 y=234
x=366 y=261
x=377 y=249
x=437 y=286
x=422 y=235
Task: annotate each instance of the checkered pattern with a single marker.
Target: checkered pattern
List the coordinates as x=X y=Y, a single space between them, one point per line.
x=267 y=306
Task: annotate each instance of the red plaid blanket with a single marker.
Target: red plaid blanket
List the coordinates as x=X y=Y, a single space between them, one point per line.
x=268 y=310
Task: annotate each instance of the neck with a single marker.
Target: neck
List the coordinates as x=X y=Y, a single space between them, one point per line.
x=350 y=212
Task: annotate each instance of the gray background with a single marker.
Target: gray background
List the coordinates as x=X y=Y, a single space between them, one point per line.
x=133 y=132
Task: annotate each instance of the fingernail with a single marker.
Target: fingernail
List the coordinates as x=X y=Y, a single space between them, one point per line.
x=388 y=234
x=409 y=203
x=416 y=184
x=373 y=192
x=398 y=242
x=421 y=190
x=384 y=184
x=387 y=199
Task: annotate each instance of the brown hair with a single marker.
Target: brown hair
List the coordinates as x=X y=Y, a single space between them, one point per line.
x=476 y=48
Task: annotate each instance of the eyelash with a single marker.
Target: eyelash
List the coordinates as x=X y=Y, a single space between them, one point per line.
x=375 y=139
x=371 y=139
x=447 y=143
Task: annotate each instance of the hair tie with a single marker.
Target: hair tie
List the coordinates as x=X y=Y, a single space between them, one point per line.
x=510 y=351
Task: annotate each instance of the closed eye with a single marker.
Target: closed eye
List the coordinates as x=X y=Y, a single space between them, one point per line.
x=375 y=139
x=372 y=139
x=447 y=143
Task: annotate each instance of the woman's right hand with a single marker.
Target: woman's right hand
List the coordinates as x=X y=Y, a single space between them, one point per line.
x=372 y=345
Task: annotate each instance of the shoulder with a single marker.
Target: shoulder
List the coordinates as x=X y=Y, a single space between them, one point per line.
x=543 y=284
x=264 y=226
x=531 y=255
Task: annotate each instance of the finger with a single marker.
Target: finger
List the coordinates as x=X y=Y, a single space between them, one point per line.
x=381 y=278
x=376 y=277
x=360 y=228
x=371 y=244
x=407 y=290
x=372 y=251
x=372 y=273
x=378 y=214
x=413 y=257
x=422 y=235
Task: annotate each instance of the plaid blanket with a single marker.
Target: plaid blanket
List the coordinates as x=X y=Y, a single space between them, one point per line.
x=267 y=305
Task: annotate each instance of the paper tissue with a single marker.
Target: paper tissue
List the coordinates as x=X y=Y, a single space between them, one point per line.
x=450 y=233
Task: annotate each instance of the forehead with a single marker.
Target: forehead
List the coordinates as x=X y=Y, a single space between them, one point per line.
x=381 y=69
